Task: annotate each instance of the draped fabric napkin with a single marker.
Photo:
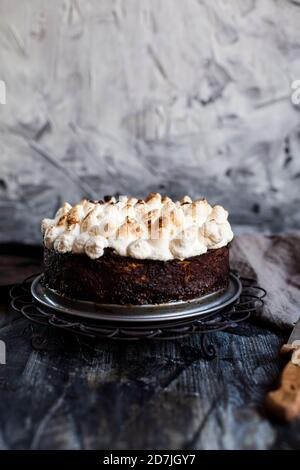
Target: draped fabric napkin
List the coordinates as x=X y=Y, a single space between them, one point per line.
x=274 y=261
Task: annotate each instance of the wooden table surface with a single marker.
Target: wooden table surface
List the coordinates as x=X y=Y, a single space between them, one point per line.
x=59 y=391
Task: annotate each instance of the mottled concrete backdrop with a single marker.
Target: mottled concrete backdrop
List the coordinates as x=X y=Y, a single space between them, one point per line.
x=180 y=96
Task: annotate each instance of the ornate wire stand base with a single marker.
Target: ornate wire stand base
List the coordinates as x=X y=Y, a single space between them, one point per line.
x=250 y=300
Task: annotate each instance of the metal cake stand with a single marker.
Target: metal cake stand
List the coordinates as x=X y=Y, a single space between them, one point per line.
x=215 y=312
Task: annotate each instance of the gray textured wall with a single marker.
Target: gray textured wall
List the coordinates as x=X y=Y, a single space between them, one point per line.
x=181 y=96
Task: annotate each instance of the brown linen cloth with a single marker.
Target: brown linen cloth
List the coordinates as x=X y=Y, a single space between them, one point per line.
x=274 y=260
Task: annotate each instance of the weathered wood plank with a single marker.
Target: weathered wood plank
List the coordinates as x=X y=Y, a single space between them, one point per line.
x=82 y=394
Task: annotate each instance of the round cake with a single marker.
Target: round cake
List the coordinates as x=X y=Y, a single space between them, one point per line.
x=133 y=251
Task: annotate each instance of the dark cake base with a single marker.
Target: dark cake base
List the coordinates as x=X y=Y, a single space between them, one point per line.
x=122 y=280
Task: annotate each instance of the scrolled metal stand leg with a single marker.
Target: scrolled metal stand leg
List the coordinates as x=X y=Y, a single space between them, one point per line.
x=208 y=350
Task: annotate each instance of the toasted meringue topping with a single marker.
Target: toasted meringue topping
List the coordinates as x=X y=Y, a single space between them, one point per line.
x=80 y=241
x=154 y=228
x=46 y=224
x=139 y=249
x=62 y=211
x=64 y=242
x=94 y=247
